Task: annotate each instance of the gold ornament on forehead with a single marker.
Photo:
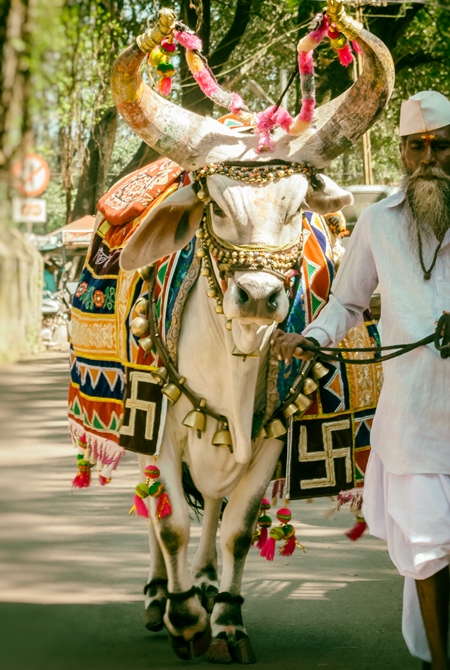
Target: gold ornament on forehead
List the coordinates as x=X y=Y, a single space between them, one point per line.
x=252 y=256
x=254 y=174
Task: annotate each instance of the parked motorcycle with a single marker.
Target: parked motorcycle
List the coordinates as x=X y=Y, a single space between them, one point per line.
x=56 y=308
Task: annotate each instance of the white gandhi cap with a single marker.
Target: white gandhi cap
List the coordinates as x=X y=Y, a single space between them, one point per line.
x=423 y=112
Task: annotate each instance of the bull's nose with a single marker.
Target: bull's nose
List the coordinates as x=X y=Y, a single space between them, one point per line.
x=242 y=295
x=273 y=300
x=257 y=295
x=252 y=299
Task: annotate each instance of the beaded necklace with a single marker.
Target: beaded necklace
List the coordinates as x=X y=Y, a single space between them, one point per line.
x=427 y=273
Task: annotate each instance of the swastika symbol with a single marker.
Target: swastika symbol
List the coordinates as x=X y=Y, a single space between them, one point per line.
x=134 y=404
x=328 y=455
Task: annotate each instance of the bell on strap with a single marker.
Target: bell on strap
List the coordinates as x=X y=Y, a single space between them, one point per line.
x=222 y=437
x=172 y=392
x=196 y=419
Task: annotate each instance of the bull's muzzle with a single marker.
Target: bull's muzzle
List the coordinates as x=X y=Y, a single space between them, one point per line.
x=256 y=297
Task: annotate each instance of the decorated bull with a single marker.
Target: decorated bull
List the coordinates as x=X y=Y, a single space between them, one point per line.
x=171 y=355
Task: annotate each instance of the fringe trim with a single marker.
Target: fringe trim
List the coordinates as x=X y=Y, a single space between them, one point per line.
x=105 y=451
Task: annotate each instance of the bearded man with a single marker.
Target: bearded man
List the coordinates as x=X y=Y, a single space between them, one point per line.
x=402 y=244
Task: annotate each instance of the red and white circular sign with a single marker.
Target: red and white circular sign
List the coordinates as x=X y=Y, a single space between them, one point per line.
x=32 y=175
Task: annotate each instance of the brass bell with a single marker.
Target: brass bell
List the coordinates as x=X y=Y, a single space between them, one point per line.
x=229 y=324
x=309 y=386
x=145 y=272
x=139 y=326
x=146 y=343
x=276 y=428
x=172 y=392
x=290 y=410
x=160 y=375
x=196 y=419
x=319 y=370
x=302 y=402
x=222 y=437
x=141 y=307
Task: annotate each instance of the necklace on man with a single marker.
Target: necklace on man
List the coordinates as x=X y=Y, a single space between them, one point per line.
x=427 y=273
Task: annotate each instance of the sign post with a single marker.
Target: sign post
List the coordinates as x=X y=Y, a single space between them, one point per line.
x=31 y=177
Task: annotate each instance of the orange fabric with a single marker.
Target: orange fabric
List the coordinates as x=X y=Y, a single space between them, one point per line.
x=134 y=193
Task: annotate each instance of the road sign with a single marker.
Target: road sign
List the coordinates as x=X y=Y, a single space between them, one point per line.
x=32 y=175
x=29 y=210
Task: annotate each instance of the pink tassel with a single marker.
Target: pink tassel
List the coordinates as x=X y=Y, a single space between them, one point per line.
x=306 y=62
x=262 y=539
x=289 y=547
x=206 y=82
x=163 y=507
x=267 y=121
x=83 y=477
x=188 y=40
x=307 y=110
x=165 y=86
x=357 y=49
x=141 y=507
x=237 y=104
x=268 y=550
x=345 y=56
x=358 y=529
x=319 y=33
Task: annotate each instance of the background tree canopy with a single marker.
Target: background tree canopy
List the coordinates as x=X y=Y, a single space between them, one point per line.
x=54 y=82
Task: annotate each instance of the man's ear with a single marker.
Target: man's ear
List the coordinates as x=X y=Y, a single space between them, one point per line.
x=167 y=228
x=326 y=197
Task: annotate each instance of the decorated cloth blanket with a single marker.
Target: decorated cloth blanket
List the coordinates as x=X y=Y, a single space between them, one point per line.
x=116 y=404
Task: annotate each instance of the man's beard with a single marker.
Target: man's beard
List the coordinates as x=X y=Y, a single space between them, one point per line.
x=428 y=196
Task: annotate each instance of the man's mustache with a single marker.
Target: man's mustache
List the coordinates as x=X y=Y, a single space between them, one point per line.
x=429 y=172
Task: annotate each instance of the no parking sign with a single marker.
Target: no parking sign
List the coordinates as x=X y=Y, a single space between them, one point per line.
x=31 y=175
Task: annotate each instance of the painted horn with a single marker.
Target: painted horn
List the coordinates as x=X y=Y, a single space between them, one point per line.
x=171 y=130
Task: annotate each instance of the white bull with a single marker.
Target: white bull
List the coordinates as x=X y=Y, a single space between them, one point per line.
x=248 y=216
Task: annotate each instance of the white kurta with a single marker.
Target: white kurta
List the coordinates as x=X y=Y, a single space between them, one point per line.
x=407 y=488
x=411 y=429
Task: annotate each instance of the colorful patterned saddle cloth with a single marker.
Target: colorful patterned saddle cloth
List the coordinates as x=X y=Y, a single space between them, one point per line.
x=114 y=403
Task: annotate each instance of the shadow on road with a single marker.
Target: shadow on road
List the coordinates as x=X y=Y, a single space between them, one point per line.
x=74 y=563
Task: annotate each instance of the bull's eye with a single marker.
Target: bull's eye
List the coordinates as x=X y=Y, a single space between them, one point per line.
x=217 y=210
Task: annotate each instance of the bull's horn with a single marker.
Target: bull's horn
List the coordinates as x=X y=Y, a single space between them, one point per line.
x=342 y=121
x=177 y=133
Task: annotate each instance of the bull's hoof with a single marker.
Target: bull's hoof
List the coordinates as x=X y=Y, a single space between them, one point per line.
x=201 y=641
x=218 y=652
x=180 y=647
x=153 y=618
x=242 y=652
x=208 y=597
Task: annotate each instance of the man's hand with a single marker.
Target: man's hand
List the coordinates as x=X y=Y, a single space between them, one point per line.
x=288 y=345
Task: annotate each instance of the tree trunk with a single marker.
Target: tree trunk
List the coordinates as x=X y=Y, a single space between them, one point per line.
x=92 y=183
x=15 y=24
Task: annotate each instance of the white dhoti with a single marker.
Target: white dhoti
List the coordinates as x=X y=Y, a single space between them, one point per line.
x=412 y=514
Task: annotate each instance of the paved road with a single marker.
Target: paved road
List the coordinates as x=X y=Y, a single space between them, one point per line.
x=73 y=565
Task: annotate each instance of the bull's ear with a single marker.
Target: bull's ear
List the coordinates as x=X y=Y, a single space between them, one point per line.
x=166 y=229
x=326 y=196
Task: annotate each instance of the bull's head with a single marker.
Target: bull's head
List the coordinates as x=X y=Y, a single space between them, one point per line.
x=249 y=221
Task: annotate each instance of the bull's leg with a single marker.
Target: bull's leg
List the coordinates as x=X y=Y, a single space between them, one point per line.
x=155 y=590
x=230 y=638
x=185 y=618
x=204 y=566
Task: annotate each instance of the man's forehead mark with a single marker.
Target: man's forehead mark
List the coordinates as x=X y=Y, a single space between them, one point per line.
x=428 y=137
